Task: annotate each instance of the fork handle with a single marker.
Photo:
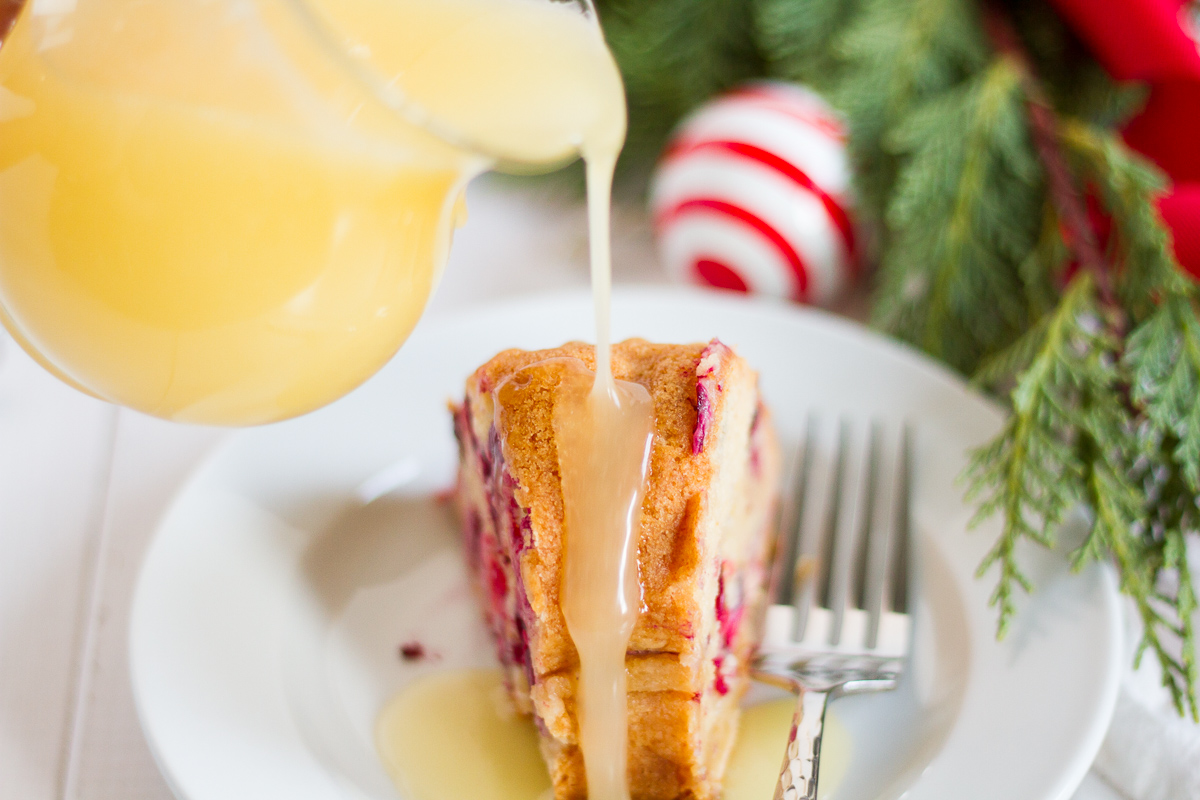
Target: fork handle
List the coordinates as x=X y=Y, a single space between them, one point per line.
x=798 y=775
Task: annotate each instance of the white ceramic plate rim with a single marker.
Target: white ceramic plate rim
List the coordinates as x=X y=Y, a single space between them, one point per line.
x=1062 y=760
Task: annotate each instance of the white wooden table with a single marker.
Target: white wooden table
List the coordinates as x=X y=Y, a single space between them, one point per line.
x=83 y=484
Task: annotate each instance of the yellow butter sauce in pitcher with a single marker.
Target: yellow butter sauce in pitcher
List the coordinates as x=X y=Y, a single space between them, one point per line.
x=234 y=211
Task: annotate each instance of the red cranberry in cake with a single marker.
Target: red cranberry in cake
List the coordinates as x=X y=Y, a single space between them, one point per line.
x=703 y=550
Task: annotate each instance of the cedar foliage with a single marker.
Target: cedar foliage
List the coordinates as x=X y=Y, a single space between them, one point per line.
x=985 y=261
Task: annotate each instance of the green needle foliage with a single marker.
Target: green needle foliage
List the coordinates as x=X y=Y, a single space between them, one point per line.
x=673 y=56
x=1107 y=420
x=959 y=213
x=987 y=260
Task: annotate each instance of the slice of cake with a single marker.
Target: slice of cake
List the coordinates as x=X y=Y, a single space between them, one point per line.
x=703 y=550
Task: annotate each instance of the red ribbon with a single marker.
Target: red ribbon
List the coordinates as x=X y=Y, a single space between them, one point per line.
x=1157 y=42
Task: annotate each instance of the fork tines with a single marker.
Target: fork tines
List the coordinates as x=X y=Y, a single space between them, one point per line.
x=843 y=546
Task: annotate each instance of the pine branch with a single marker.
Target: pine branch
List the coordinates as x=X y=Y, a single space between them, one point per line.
x=1170 y=632
x=963 y=215
x=1031 y=472
x=1042 y=269
x=1164 y=356
x=673 y=56
x=1135 y=424
x=897 y=55
x=1137 y=276
x=1127 y=185
x=1163 y=359
x=1073 y=438
x=1060 y=183
x=795 y=38
x=1076 y=85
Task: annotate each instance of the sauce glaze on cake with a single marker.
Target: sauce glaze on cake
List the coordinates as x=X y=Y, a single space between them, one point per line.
x=703 y=548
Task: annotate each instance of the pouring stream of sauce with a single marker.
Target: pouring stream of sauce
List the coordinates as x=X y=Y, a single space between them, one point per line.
x=603 y=432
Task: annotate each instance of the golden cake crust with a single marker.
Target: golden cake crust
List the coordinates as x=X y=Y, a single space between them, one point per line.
x=705 y=405
x=667 y=549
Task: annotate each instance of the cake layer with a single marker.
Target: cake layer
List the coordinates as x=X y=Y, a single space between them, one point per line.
x=702 y=553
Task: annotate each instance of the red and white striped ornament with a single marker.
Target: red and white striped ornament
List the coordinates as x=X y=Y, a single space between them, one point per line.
x=752 y=194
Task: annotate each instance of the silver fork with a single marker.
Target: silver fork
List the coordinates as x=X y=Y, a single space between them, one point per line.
x=838 y=623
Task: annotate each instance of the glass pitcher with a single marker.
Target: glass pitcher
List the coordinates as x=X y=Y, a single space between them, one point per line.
x=234 y=211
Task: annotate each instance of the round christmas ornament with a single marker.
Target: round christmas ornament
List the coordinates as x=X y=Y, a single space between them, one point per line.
x=752 y=194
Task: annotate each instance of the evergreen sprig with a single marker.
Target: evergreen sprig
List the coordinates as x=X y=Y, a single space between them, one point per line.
x=959 y=219
x=977 y=130
x=1031 y=472
x=673 y=56
x=1106 y=420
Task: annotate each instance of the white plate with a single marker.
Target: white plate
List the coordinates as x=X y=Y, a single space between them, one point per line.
x=280 y=585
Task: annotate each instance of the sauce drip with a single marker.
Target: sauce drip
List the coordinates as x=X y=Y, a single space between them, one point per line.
x=604 y=432
x=424 y=731
x=603 y=429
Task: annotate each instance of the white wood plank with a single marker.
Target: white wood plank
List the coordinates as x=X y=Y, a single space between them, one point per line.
x=109 y=758
x=55 y=451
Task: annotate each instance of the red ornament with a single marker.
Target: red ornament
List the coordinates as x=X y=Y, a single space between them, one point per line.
x=752 y=195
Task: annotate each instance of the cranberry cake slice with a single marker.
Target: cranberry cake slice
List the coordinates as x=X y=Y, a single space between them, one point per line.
x=703 y=550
